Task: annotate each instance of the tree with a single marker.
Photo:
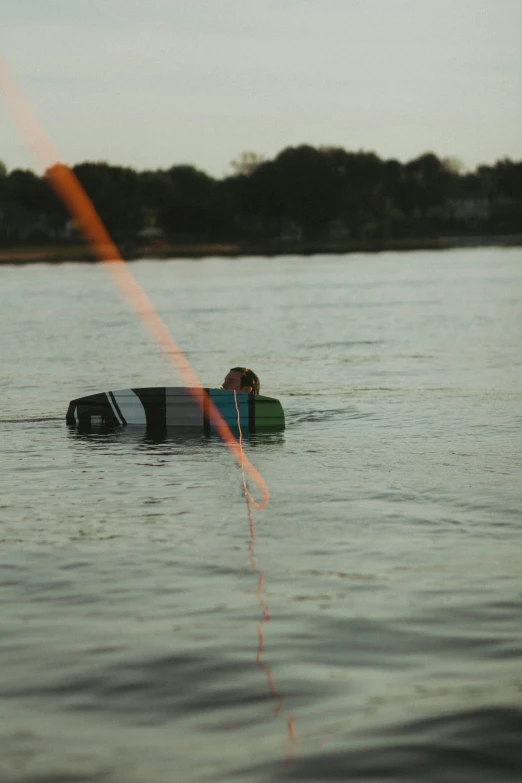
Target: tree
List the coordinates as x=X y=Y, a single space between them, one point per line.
x=247 y=163
x=185 y=211
x=307 y=188
x=114 y=191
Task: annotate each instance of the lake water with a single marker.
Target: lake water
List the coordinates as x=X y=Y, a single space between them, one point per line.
x=368 y=628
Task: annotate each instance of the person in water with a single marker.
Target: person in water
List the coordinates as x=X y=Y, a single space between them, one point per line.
x=241 y=379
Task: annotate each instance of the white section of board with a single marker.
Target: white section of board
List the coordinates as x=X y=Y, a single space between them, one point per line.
x=130 y=406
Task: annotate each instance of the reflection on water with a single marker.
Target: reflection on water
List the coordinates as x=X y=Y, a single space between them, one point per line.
x=141 y=435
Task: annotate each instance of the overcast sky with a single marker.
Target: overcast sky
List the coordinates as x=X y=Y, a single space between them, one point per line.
x=153 y=83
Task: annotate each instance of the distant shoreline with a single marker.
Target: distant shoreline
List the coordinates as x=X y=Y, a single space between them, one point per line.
x=30 y=254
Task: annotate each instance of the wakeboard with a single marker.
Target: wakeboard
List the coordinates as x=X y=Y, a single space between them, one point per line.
x=176 y=408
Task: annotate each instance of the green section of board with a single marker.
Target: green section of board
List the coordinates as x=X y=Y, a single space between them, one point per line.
x=269 y=414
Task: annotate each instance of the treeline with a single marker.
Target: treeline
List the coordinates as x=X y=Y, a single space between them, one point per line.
x=303 y=194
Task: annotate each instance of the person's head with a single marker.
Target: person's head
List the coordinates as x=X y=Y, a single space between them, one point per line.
x=241 y=379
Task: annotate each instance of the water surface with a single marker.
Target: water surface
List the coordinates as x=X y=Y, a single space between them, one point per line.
x=369 y=629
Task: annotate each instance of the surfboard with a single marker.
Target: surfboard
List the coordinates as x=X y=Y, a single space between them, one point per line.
x=165 y=407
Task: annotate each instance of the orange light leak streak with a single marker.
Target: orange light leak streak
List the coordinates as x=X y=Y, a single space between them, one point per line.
x=82 y=210
x=264 y=609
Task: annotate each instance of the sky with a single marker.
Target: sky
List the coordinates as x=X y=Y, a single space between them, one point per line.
x=156 y=83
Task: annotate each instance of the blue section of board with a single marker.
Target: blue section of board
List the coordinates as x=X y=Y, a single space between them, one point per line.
x=224 y=402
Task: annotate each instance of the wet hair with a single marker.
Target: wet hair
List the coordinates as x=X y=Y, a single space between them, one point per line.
x=248 y=378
